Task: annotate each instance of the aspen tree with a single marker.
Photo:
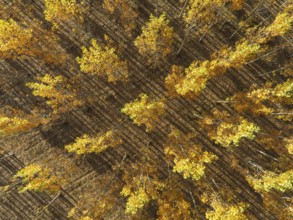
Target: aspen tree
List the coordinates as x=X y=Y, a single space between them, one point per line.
x=39 y=179
x=103 y=61
x=228 y=134
x=86 y=144
x=14 y=39
x=255 y=100
x=226 y=212
x=201 y=12
x=270 y=180
x=15 y=125
x=60 y=10
x=189 y=159
x=280 y=26
x=228 y=130
x=244 y=51
x=156 y=39
x=60 y=97
x=13 y=121
x=22 y=40
x=141 y=186
x=198 y=73
x=146 y=111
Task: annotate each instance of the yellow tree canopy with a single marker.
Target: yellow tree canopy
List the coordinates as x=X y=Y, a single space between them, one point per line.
x=156 y=38
x=60 y=10
x=145 y=111
x=270 y=180
x=226 y=212
x=86 y=144
x=39 y=179
x=57 y=92
x=14 y=38
x=189 y=159
x=103 y=61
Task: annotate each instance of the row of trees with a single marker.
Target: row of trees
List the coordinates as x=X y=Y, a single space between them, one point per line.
x=194 y=78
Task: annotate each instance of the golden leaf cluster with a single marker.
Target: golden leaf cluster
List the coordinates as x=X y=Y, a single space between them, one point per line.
x=39 y=179
x=156 y=38
x=86 y=144
x=145 y=111
x=103 y=61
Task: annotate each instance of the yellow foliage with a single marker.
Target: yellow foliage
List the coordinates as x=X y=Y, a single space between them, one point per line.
x=38 y=179
x=87 y=145
x=145 y=111
x=141 y=186
x=197 y=74
x=226 y=212
x=242 y=102
x=56 y=91
x=244 y=52
x=103 y=61
x=195 y=79
x=189 y=159
x=289 y=145
x=14 y=125
x=281 y=25
x=136 y=201
x=257 y=99
x=156 y=38
x=270 y=180
x=60 y=10
x=14 y=38
x=201 y=11
x=228 y=134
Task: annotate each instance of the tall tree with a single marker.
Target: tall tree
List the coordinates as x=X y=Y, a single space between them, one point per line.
x=270 y=180
x=263 y=100
x=18 y=40
x=156 y=39
x=14 y=125
x=36 y=178
x=86 y=144
x=189 y=159
x=226 y=212
x=141 y=186
x=279 y=27
x=14 y=39
x=146 y=111
x=14 y=121
x=175 y=77
x=103 y=61
x=198 y=73
x=60 y=10
x=59 y=94
x=228 y=130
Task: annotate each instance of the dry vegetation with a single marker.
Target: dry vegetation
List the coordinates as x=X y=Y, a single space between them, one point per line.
x=130 y=109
